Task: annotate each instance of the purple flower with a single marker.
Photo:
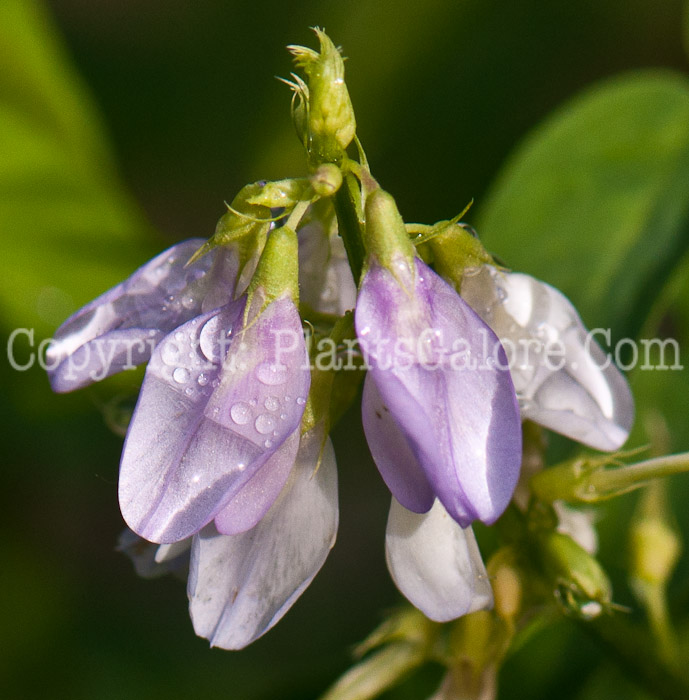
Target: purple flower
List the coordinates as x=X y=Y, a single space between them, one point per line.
x=217 y=421
x=120 y=328
x=439 y=408
x=241 y=585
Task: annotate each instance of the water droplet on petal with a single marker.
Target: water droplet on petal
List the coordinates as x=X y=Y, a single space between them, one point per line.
x=181 y=375
x=301 y=400
x=189 y=391
x=169 y=353
x=203 y=379
x=265 y=423
x=283 y=416
x=240 y=413
x=271 y=374
x=272 y=403
x=267 y=444
x=188 y=302
x=179 y=335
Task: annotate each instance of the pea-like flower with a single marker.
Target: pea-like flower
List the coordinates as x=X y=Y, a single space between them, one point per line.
x=563 y=379
x=215 y=469
x=440 y=416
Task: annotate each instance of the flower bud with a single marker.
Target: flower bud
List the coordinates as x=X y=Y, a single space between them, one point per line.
x=328 y=115
x=326 y=180
x=581 y=585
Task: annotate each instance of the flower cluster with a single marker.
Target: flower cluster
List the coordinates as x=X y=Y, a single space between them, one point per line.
x=227 y=467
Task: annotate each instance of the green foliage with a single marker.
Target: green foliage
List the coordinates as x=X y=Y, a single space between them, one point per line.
x=594 y=201
x=69 y=231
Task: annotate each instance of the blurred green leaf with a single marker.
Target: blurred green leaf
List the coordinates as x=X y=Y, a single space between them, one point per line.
x=595 y=199
x=69 y=230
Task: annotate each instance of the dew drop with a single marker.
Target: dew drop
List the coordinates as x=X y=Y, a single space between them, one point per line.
x=180 y=375
x=301 y=400
x=272 y=403
x=240 y=413
x=179 y=336
x=267 y=444
x=189 y=391
x=203 y=379
x=283 y=416
x=188 y=302
x=265 y=423
x=271 y=374
x=169 y=353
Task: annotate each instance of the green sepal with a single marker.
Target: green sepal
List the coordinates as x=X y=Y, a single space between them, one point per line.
x=386 y=237
x=454 y=250
x=244 y=227
x=277 y=272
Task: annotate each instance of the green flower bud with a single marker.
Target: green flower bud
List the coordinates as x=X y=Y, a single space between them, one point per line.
x=326 y=108
x=326 y=180
x=582 y=587
x=282 y=193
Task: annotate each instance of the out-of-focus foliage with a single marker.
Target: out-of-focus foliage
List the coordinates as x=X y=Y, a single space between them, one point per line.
x=595 y=201
x=443 y=91
x=69 y=230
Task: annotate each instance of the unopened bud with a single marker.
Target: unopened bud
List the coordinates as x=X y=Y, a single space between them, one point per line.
x=329 y=116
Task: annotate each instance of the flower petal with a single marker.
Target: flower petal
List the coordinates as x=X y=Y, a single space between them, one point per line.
x=207 y=418
x=435 y=563
x=431 y=358
x=253 y=501
x=578 y=392
x=120 y=328
x=392 y=454
x=325 y=280
x=241 y=585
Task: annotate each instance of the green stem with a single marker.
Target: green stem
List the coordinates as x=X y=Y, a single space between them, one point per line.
x=350 y=223
x=577 y=482
x=614 y=480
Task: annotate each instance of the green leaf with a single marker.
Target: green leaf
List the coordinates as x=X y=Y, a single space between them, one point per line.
x=69 y=229
x=595 y=199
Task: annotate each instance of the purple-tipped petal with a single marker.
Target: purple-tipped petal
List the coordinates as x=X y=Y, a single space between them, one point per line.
x=392 y=454
x=241 y=585
x=120 y=328
x=207 y=418
x=442 y=373
x=563 y=379
x=253 y=501
x=435 y=563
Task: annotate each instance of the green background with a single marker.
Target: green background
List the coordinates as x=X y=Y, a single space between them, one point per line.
x=123 y=128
